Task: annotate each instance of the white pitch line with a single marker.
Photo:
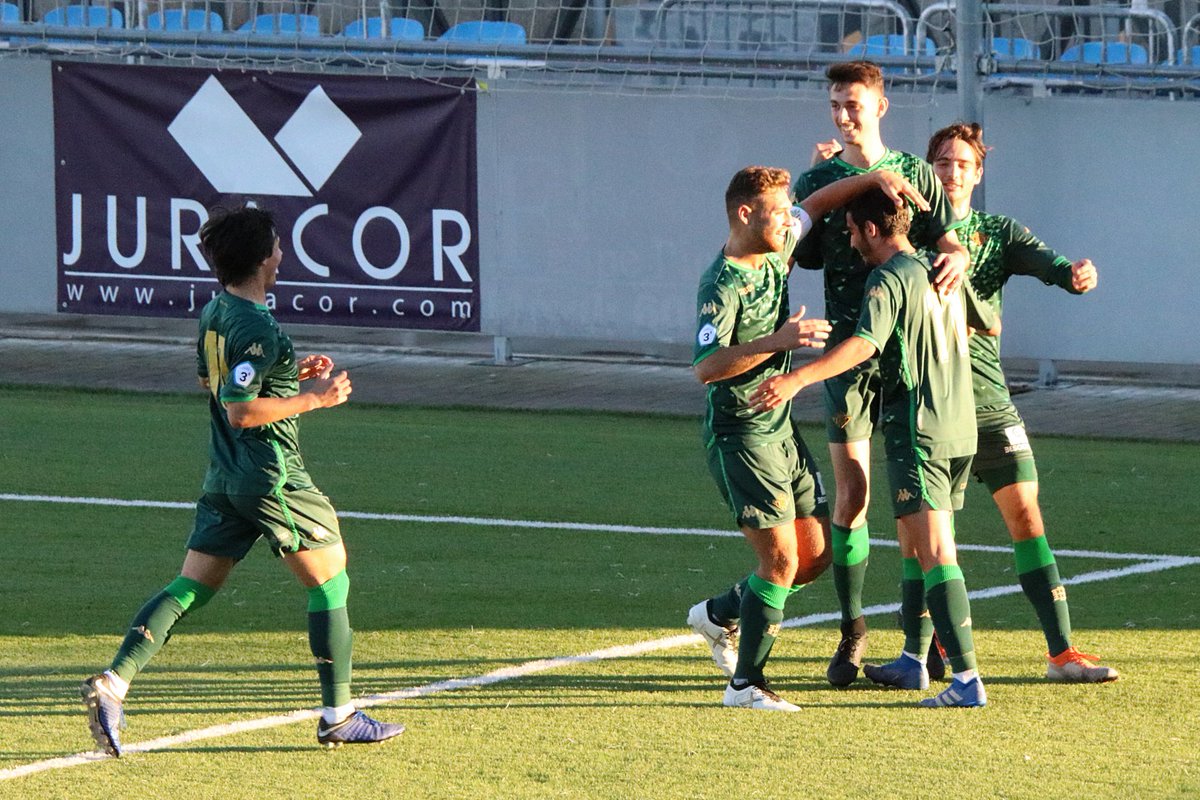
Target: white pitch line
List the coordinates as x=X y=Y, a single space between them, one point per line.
x=1155 y=563
x=545 y=525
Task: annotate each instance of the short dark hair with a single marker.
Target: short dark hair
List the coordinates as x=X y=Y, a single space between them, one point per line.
x=865 y=72
x=875 y=206
x=969 y=132
x=753 y=182
x=235 y=241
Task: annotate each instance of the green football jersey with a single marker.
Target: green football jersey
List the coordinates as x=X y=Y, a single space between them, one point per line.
x=1001 y=247
x=244 y=355
x=828 y=246
x=736 y=305
x=932 y=410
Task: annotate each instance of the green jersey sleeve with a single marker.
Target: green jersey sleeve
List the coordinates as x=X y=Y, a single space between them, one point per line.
x=881 y=309
x=716 y=319
x=1025 y=254
x=251 y=352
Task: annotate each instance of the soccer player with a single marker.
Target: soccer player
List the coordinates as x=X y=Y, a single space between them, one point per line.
x=256 y=485
x=762 y=468
x=928 y=420
x=852 y=400
x=1000 y=248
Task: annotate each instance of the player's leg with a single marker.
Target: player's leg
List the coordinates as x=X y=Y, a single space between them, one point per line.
x=767 y=590
x=911 y=669
x=217 y=542
x=931 y=530
x=849 y=402
x=304 y=530
x=814 y=544
x=1005 y=464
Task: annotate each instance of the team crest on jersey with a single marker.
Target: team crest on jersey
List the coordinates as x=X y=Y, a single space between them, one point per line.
x=841 y=420
x=904 y=495
x=979 y=238
x=747 y=289
x=243 y=374
x=707 y=335
x=255 y=350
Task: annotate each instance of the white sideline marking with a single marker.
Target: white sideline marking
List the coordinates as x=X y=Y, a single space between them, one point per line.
x=1147 y=563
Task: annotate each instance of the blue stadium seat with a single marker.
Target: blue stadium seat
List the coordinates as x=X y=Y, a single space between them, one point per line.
x=175 y=19
x=1189 y=55
x=1015 y=49
x=283 y=25
x=485 y=32
x=889 y=44
x=1106 y=53
x=84 y=17
x=10 y=12
x=399 y=28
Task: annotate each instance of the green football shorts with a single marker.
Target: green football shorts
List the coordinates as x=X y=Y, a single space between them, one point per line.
x=1004 y=456
x=769 y=484
x=936 y=484
x=852 y=403
x=229 y=525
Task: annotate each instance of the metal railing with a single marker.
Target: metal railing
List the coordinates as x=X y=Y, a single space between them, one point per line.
x=1036 y=20
x=764 y=24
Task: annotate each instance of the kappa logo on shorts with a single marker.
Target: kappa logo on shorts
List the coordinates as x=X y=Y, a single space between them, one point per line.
x=904 y=495
x=779 y=502
x=749 y=512
x=316 y=139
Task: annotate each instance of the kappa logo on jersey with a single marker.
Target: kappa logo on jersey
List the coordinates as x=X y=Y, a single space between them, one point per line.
x=231 y=151
x=707 y=335
x=243 y=374
x=904 y=495
x=708 y=309
x=255 y=350
x=875 y=292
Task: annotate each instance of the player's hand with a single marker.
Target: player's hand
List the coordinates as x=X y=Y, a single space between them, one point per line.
x=315 y=367
x=799 y=332
x=331 y=391
x=823 y=151
x=774 y=392
x=953 y=266
x=899 y=189
x=1083 y=275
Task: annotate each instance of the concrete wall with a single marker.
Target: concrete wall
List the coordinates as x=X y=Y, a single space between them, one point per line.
x=598 y=212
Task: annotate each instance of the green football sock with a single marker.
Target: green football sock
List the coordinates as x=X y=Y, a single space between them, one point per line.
x=727 y=607
x=152 y=625
x=761 y=616
x=946 y=596
x=914 y=617
x=1038 y=575
x=330 y=638
x=850 y=551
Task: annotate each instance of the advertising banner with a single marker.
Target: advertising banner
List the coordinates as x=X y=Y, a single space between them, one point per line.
x=372 y=181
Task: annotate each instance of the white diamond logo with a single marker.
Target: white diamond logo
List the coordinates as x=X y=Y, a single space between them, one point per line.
x=318 y=137
x=236 y=158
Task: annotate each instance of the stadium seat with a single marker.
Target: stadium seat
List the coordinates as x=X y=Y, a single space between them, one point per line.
x=283 y=25
x=399 y=28
x=10 y=12
x=1015 y=49
x=84 y=17
x=1105 y=53
x=889 y=44
x=1189 y=55
x=175 y=19
x=485 y=32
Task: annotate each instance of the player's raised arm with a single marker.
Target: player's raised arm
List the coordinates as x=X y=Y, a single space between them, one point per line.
x=838 y=193
x=733 y=360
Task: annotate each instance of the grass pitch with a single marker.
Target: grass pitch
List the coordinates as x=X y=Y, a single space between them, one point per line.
x=436 y=600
